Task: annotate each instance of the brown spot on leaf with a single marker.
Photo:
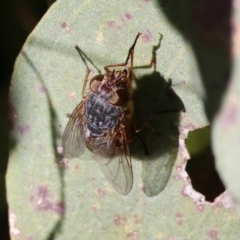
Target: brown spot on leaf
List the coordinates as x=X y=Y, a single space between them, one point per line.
x=23 y=129
x=119 y=220
x=111 y=24
x=133 y=235
x=66 y=26
x=176 y=177
x=128 y=15
x=179 y=218
x=94 y=208
x=76 y=167
x=42 y=201
x=171 y=238
x=200 y=207
x=71 y=95
x=63 y=25
x=43 y=89
x=101 y=192
x=146 y=36
x=213 y=234
x=137 y=219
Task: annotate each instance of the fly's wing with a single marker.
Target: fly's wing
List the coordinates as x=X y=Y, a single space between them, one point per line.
x=118 y=168
x=73 y=139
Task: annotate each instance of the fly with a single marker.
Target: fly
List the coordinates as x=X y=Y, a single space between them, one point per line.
x=102 y=122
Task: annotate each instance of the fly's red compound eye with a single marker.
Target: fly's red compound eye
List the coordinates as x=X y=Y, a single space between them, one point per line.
x=95 y=82
x=120 y=97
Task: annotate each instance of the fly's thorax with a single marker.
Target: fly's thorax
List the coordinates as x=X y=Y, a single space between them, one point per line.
x=101 y=115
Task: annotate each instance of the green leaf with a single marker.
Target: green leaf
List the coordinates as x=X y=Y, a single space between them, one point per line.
x=51 y=197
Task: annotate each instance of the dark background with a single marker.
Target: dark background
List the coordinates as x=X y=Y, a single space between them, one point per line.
x=17 y=18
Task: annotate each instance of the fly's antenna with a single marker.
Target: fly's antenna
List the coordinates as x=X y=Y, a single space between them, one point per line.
x=81 y=55
x=87 y=68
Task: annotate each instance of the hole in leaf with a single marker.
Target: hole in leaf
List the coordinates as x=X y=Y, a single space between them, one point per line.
x=201 y=167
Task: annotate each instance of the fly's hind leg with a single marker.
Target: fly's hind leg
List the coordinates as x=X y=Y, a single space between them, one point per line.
x=87 y=69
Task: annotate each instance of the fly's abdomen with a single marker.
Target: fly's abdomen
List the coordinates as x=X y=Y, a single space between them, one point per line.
x=101 y=115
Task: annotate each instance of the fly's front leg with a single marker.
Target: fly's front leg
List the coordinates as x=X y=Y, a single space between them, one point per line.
x=87 y=69
x=130 y=55
x=131 y=51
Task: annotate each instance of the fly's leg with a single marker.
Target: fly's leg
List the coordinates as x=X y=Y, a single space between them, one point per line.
x=130 y=55
x=87 y=69
x=131 y=52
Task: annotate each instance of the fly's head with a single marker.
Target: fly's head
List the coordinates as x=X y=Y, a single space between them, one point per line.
x=113 y=86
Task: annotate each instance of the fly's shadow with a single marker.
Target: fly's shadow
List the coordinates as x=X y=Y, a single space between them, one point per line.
x=158 y=107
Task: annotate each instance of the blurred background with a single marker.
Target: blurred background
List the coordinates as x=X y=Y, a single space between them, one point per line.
x=18 y=18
